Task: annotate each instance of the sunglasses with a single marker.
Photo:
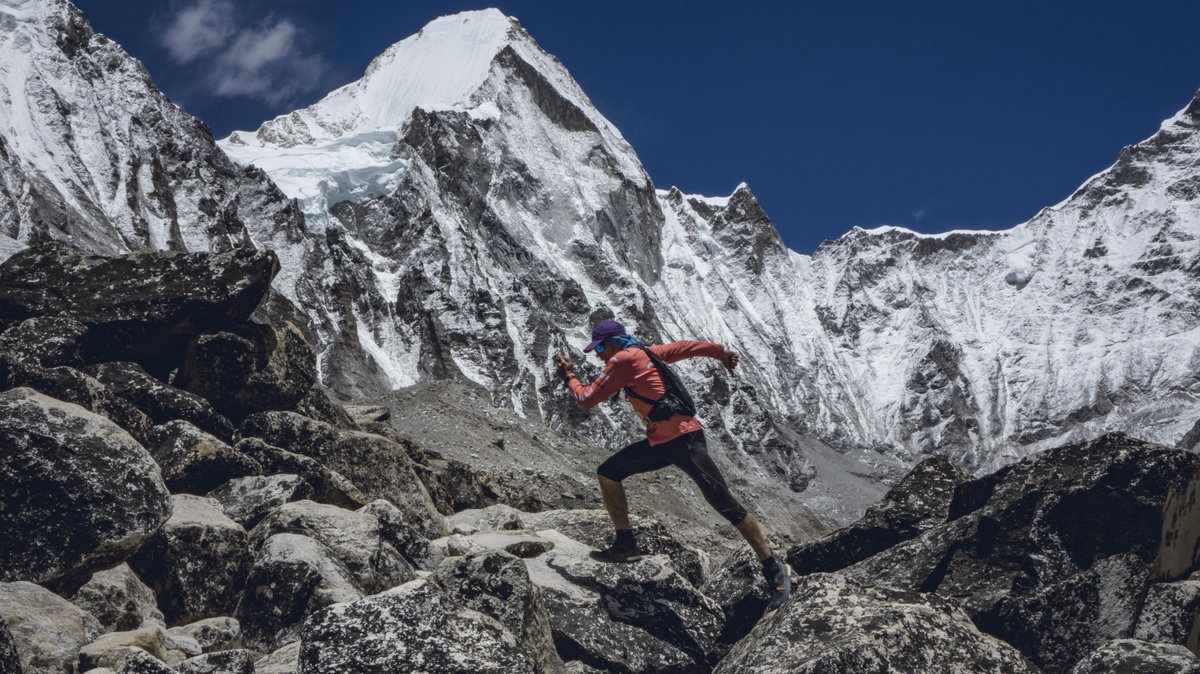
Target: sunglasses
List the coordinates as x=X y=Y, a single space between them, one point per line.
x=600 y=347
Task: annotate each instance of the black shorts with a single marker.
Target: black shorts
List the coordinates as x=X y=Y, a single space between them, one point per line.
x=690 y=453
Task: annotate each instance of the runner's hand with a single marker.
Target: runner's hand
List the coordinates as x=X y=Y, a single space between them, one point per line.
x=729 y=359
x=563 y=367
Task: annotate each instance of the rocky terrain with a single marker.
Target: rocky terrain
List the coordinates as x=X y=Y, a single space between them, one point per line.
x=181 y=495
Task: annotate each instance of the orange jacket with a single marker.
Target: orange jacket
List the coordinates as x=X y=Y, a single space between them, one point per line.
x=632 y=367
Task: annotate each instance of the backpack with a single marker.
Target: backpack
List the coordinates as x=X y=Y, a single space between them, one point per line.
x=674 y=401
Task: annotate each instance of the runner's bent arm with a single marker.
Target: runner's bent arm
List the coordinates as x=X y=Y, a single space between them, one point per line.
x=677 y=351
x=616 y=375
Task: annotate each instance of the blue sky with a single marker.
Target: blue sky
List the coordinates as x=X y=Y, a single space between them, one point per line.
x=930 y=115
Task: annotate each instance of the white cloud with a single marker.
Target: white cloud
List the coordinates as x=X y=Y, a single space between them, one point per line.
x=269 y=62
x=919 y=215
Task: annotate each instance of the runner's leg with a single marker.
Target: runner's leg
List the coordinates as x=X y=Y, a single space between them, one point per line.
x=639 y=457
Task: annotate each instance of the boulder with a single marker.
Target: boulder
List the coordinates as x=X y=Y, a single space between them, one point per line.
x=402 y=536
x=355 y=539
x=497 y=517
x=252 y=368
x=130 y=660
x=917 y=503
x=118 y=599
x=328 y=486
x=1052 y=554
x=141 y=306
x=1169 y=614
x=72 y=386
x=77 y=491
x=248 y=499
x=109 y=648
x=285 y=660
x=210 y=634
x=1130 y=656
x=594 y=528
x=832 y=624
x=737 y=586
x=498 y=584
x=46 y=629
x=316 y=404
x=47 y=341
x=293 y=577
x=194 y=462
x=196 y=565
x=10 y=661
x=238 y=661
x=376 y=465
x=413 y=627
x=159 y=401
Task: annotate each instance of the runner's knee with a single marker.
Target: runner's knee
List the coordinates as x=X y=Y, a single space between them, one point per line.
x=734 y=514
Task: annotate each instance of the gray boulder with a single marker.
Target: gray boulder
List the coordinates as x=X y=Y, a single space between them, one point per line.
x=404 y=537
x=293 y=577
x=194 y=462
x=197 y=564
x=251 y=368
x=355 y=538
x=210 y=634
x=10 y=661
x=246 y=500
x=1053 y=554
x=76 y=491
x=328 y=486
x=737 y=586
x=47 y=341
x=110 y=648
x=118 y=599
x=160 y=402
x=497 y=517
x=377 y=466
x=917 y=503
x=237 y=661
x=285 y=660
x=410 y=628
x=72 y=386
x=1169 y=614
x=46 y=629
x=131 y=660
x=141 y=306
x=1130 y=656
x=834 y=625
x=498 y=584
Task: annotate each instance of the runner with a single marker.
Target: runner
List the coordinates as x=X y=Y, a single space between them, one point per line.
x=673 y=437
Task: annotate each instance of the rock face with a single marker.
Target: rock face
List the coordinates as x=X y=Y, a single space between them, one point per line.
x=45 y=341
x=77 y=491
x=834 y=625
x=246 y=500
x=252 y=368
x=47 y=630
x=920 y=501
x=1130 y=655
x=118 y=599
x=410 y=628
x=1169 y=614
x=197 y=564
x=737 y=586
x=139 y=306
x=1052 y=554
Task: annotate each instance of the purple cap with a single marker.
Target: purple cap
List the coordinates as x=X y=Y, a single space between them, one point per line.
x=604 y=330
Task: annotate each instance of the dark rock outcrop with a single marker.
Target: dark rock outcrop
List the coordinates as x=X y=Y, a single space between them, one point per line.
x=77 y=492
x=48 y=341
x=328 y=486
x=161 y=402
x=237 y=661
x=1171 y=614
x=10 y=662
x=197 y=564
x=737 y=586
x=251 y=368
x=246 y=500
x=834 y=625
x=1054 y=554
x=410 y=628
x=70 y=385
x=920 y=501
x=210 y=634
x=140 y=306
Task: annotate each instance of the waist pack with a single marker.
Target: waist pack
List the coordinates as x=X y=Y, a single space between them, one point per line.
x=674 y=401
